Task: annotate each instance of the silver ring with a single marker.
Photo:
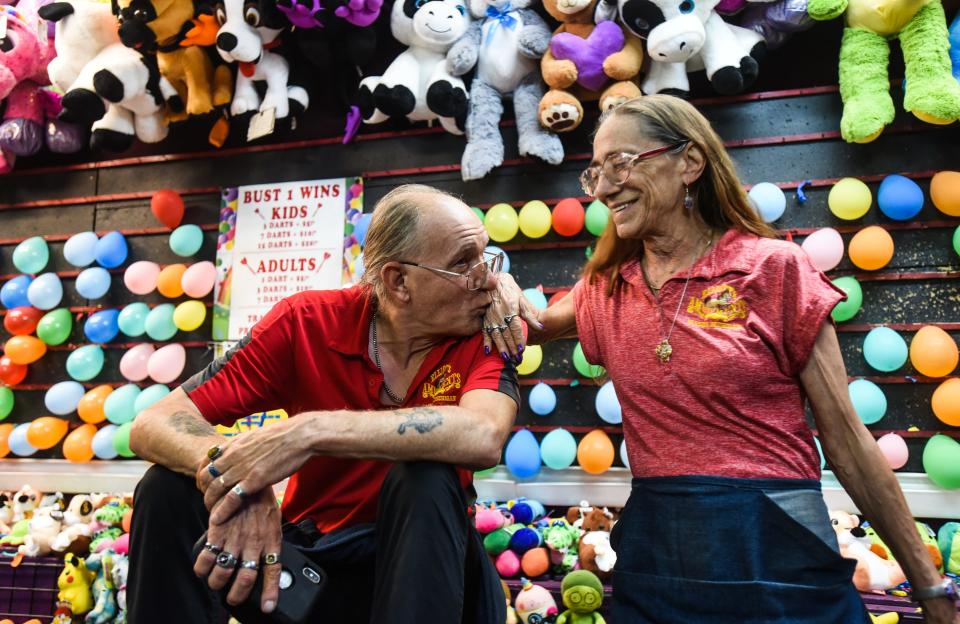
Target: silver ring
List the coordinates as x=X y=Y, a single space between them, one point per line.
x=226 y=560
x=238 y=491
x=489 y=330
x=271 y=559
x=501 y=328
x=213 y=470
x=222 y=481
x=509 y=318
x=211 y=547
x=250 y=564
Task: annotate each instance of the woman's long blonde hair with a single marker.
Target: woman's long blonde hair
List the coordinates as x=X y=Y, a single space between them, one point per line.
x=718 y=194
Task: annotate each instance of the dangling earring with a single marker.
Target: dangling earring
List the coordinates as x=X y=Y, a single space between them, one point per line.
x=687 y=199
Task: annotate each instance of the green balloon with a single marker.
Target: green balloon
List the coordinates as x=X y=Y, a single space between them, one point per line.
x=121 y=440
x=133 y=318
x=55 y=326
x=596 y=217
x=32 y=255
x=585 y=368
x=119 y=406
x=149 y=396
x=480 y=214
x=186 y=240
x=956 y=240
x=85 y=363
x=941 y=461
x=482 y=474
x=846 y=310
x=588 y=252
x=6 y=402
x=159 y=322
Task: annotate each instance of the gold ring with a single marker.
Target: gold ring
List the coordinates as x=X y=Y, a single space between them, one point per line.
x=214 y=452
x=271 y=558
x=222 y=481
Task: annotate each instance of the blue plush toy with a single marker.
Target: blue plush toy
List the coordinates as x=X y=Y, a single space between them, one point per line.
x=106 y=604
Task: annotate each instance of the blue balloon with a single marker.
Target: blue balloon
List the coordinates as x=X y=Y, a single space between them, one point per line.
x=14 y=293
x=133 y=319
x=506 y=259
x=93 y=283
x=358 y=266
x=80 y=250
x=62 y=398
x=868 y=400
x=17 y=441
x=884 y=349
x=769 y=201
x=111 y=250
x=899 y=198
x=186 y=240
x=102 y=443
x=102 y=326
x=542 y=399
x=45 y=292
x=558 y=449
x=361 y=226
x=85 y=363
x=536 y=297
x=523 y=455
x=149 y=396
x=31 y=255
x=608 y=405
x=119 y=406
x=823 y=460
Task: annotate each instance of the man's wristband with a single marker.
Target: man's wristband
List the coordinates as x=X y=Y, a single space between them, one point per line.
x=945 y=589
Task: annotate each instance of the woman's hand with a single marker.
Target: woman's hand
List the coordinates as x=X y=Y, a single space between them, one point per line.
x=940 y=611
x=502 y=329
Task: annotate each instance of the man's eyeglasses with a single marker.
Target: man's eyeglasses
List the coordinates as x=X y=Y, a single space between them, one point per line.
x=476 y=276
x=616 y=167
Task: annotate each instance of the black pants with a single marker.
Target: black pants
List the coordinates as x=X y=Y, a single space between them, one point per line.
x=422 y=562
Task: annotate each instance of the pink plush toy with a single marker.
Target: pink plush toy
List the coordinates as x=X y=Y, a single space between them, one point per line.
x=488 y=520
x=535 y=600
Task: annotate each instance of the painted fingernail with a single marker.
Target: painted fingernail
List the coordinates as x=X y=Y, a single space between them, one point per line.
x=486 y=350
x=518 y=358
x=520 y=349
x=539 y=325
x=506 y=358
x=268 y=606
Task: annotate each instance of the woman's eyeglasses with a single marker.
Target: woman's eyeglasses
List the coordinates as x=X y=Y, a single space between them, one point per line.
x=616 y=167
x=476 y=276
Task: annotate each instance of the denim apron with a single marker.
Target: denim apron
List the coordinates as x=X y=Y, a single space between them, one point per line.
x=720 y=550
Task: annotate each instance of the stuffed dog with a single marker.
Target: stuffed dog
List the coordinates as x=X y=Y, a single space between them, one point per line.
x=872 y=572
x=43 y=529
x=25 y=502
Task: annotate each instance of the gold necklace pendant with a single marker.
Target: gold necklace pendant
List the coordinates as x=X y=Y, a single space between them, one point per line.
x=664 y=351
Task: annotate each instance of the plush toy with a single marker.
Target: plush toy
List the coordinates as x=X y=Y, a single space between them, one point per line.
x=776 y=21
x=595 y=552
x=25 y=502
x=17 y=535
x=931 y=92
x=74 y=583
x=586 y=62
x=43 y=529
x=948 y=540
x=74 y=533
x=511 y=612
x=488 y=519
x=582 y=595
x=872 y=572
x=417 y=84
x=535 y=562
x=6 y=512
x=105 y=606
x=498 y=541
x=525 y=510
x=62 y=614
x=504 y=44
x=927 y=536
x=954 y=38
x=121 y=566
x=53 y=500
x=562 y=540
x=535 y=604
x=105 y=527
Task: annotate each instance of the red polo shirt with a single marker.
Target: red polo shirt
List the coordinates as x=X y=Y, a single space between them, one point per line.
x=729 y=402
x=310 y=353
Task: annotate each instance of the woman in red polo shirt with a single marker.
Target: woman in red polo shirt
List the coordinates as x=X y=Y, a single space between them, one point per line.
x=713 y=333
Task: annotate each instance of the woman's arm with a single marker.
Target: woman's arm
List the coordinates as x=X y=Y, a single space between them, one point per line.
x=557 y=321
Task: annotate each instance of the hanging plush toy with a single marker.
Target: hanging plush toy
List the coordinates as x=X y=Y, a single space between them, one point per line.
x=931 y=92
x=777 y=21
x=505 y=45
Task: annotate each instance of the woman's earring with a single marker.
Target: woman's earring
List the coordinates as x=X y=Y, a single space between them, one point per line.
x=687 y=199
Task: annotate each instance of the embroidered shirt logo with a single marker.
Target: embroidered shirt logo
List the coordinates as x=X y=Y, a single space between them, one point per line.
x=718 y=306
x=442 y=382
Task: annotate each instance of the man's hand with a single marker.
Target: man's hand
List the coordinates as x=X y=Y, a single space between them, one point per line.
x=508 y=302
x=249 y=535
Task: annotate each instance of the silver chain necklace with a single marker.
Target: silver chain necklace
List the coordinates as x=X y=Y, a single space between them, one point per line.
x=664 y=349
x=376 y=357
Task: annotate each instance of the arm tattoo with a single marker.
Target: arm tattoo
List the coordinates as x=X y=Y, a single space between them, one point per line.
x=423 y=419
x=185 y=422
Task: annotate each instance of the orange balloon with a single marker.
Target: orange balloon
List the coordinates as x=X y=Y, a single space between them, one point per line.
x=5 y=430
x=168 y=283
x=46 y=431
x=78 y=447
x=595 y=453
x=24 y=349
x=946 y=402
x=90 y=406
x=933 y=352
x=871 y=248
x=945 y=192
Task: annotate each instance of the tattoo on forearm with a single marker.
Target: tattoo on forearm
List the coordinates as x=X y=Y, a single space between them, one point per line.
x=423 y=419
x=187 y=423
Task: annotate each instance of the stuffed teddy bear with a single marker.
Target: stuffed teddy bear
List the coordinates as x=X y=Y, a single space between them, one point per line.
x=594 y=549
x=872 y=572
x=931 y=92
x=74 y=584
x=43 y=529
x=534 y=604
x=417 y=84
x=504 y=44
x=586 y=62
x=74 y=533
x=582 y=595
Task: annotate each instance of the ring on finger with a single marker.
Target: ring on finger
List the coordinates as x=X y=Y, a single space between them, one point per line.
x=214 y=452
x=501 y=328
x=271 y=559
x=509 y=318
x=213 y=470
x=238 y=491
x=222 y=481
x=226 y=560
x=211 y=547
x=250 y=564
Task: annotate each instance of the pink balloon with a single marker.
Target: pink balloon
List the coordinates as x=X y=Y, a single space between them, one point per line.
x=141 y=277
x=133 y=364
x=167 y=363
x=198 y=279
x=894 y=449
x=825 y=248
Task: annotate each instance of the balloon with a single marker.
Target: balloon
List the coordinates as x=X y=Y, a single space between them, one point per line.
x=884 y=349
x=945 y=402
x=93 y=283
x=358 y=268
x=849 y=199
x=536 y=297
x=80 y=249
x=769 y=201
x=62 y=398
x=871 y=248
x=140 y=278
x=846 y=310
x=133 y=318
x=121 y=440
x=595 y=452
x=197 y=281
x=894 y=449
x=55 y=326
x=167 y=363
x=523 y=453
x=45 y=432
x=102 y=443
x=78 y=447
x=899 y=198
x=149 y=396
x=868 y=400
x=169 y=280
x=823 y=460
x=118 y=406
x=945 y=192
x=478 y=212
x=5 y=431
x=32 y=255
x=361 y=226
x=933 y=352
x=159 y=323
x=90 y=406
x=542 y=399
x=530 y=360
x=14 y=293
x=596 y=217
x=45 y=292
x=133 y=364
x=186 y=240
x=502 y=222
x=102 y=326
x=534 y=219
x=6 y=402
x=18 y=442
x=825 y=248
x=624 y=456
x=557 y=296
x=167 y=207
x=608 y=405
x=22 y=321
x=568 y=217
x=111 y=250
x=506 y=259
x=956 y=240
x=941 y=461
x=85 y=363
x=24 y=349
x=586 y=369
x=11 y=374
x=558 y=449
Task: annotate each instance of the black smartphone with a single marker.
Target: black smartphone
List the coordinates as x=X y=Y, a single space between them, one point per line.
x=301 y=585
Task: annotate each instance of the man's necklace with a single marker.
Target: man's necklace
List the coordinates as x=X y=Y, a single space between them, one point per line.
x=376 y=357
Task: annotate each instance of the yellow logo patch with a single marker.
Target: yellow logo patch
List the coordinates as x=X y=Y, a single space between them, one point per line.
x=718 y=306
x=442 y=382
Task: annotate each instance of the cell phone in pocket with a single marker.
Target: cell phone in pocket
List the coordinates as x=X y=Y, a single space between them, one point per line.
x=301 y=585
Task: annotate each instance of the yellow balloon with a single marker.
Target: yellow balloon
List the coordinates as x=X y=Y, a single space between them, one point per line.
x=849 y=199
x=189 y=315
x=933 y=352
x=501 y=222
x=532 y=357
x=535 y=219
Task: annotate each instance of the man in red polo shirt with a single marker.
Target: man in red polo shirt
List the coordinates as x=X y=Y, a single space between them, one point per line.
x=393 y=403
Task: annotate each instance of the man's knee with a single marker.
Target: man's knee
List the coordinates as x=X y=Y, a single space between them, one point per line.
x=165 y=487
x=422 y=482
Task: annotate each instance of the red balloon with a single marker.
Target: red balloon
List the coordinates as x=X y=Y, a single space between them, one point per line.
x=167 y=207
x=568 y=217
x=22 y=321
x=11 y=374
x=557 y=296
